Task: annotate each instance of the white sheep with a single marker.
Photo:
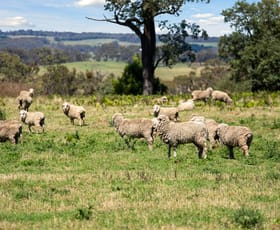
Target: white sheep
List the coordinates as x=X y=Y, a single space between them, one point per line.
x=211 y=125
x=10 y=130
x=74 y=112
x=32 y=119
x=218 y=95
x=171 y=112
x=161 y=100
x=25 y=99
x=235 y=136
x=134 y=128
x=203 y=95
x=186 y=105
x=175 y=133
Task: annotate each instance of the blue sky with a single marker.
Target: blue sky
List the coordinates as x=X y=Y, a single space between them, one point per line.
x=70 y=15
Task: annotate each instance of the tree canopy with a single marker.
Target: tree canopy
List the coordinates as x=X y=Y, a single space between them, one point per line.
x=139 y=16
x=253 y=48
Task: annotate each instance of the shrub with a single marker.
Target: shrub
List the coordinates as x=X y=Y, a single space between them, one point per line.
x=248 y=218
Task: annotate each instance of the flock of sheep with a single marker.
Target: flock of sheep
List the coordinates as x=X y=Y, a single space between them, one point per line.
x=200 y=131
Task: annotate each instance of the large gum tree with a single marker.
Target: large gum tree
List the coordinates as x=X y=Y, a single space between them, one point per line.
x=139 y=16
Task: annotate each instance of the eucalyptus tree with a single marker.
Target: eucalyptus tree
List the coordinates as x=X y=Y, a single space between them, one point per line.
x=140 y=16
x=253 y=48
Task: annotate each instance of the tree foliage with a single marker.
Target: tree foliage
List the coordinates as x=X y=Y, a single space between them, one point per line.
x=139 y=16
x=253 y=48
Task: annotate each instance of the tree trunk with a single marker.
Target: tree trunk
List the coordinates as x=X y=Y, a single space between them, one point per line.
x=148 y=45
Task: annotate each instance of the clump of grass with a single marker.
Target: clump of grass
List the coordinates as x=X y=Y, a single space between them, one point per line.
x=2 y=114
x=84 y=213
x=248 y=218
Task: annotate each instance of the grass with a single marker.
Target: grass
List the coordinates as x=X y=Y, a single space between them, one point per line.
x=87 y=178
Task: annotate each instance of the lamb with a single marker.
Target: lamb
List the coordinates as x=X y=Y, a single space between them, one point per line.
x=171 y=112
x=211 y=125
x=235 y=136
x=173 y=134
x=134 y=128
x=10 y=130
x=218 y=95
x=32 y=119
x=25 y=99
x=187 y=105
x=74 y=112
x=203 y=95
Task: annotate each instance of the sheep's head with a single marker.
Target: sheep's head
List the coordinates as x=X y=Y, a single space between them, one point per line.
x=66 y=107
x=116 y=119
x=156 y=109
x=31 y=92
x=220 y=127
x=22 y=115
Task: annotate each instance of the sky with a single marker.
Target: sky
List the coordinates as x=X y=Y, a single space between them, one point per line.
x=70 y=16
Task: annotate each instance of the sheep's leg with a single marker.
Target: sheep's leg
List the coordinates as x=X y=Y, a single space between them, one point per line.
x=169 y=151
x=29 y=127
x=245 y=150
x=72 y=121
x=231 y=154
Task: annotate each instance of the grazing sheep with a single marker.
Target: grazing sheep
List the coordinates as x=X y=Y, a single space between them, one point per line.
x=74 y=112
x=32 y=119
x=171 y=112
x=134 y=128
x=203 y=95
x=161 y=100
x=25 y=99
x=218 y=95
x=187 y=105
x=10 y=130
x=235 y=136
x=174 y=134
x=211 y=125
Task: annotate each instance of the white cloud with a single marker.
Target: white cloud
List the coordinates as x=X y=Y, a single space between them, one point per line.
x=83 y=3
x=207 y=15
x=15 y=22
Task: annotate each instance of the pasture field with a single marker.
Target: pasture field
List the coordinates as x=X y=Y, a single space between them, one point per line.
x=73 y=177
x=117 y=68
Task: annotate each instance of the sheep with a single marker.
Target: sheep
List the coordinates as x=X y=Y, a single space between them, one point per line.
x=134 y=128
x=173 y=134
x=161 y=100
x=211 y=125
x=203 y=95
x=235 y=136
x=171 y=112
x=218 y=95
x=25 y=99
x=32 y=119
x=187 y=105
x=10 y=130
x=74 y=112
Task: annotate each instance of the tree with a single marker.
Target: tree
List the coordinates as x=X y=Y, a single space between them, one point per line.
x=131 y=81
x=253 y=48
x=139 y=16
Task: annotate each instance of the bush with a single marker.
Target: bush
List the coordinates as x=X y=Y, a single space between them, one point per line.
x=248 y=218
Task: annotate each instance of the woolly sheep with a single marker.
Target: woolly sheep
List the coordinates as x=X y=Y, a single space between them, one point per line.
x=74 y=112
x=218 y=95
x=211 y=125
x=161 y=100
x=25 y=99
x=32 y=119
x=173 y=134
x=235 y=136
x=203 y=95
x=134 y=128
x=10 y=130
x=186 y=105
x=171 y=112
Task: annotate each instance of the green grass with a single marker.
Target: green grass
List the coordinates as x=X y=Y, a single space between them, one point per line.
x=73 y=177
